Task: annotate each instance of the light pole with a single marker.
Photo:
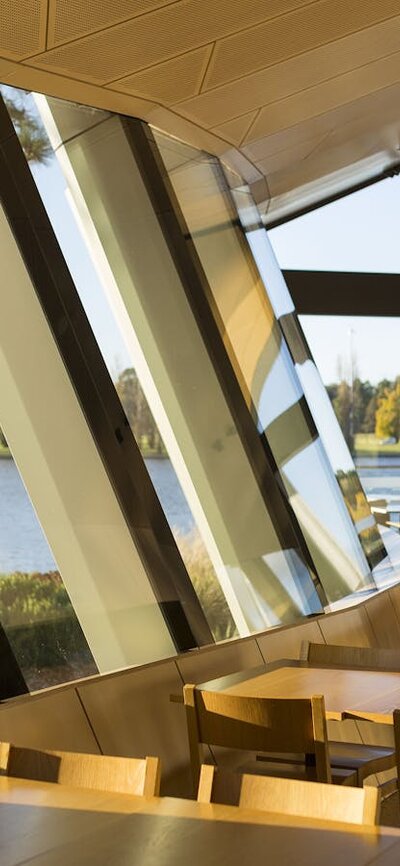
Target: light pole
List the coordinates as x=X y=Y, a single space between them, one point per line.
x=351 y=412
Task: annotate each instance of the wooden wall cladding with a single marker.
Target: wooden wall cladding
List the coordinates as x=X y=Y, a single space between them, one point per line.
x=132 y=715
x=219 y=660
x=54 y=719
x=384 y=620
x=349 y=627
x=285 y=643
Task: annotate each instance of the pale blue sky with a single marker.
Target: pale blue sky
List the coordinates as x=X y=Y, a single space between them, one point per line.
x=358 y=233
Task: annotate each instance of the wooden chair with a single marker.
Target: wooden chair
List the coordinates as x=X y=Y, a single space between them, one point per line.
x=123 y=775
x=365 y=759
x=362 y=657
x=293 y=797
x=274 y=725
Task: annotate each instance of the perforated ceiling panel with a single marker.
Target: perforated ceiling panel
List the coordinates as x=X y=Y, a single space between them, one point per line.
x=294 y=75
x=294 y=33
x=22 y=27
x=235 y=130
x=171 y=81
x=286 y=158
x=327 y=96
x=159 y=36
x=69 y=19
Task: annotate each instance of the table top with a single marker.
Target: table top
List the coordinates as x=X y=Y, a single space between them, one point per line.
x=363 y=694
x=53 y=825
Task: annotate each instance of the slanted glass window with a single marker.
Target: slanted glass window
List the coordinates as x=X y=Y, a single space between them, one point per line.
x=270 y=382
x=150 y=341
x=121 y=351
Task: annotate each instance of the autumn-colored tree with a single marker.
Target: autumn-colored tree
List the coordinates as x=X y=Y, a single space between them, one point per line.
x=388 y=413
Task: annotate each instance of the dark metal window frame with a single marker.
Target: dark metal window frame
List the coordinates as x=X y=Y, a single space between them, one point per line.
x=341 y=293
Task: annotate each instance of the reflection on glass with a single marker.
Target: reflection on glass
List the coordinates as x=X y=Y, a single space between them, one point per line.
x=151 y=344
x=263 y=363
x=121 y=353
x=365 y=411
x=35 y=609
x=333 y=441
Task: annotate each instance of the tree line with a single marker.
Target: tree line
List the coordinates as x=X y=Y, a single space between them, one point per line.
x=138 y=413
x=363 y=408
x=367 y=408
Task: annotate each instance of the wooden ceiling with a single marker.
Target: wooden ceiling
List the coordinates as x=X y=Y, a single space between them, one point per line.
x=302 y=96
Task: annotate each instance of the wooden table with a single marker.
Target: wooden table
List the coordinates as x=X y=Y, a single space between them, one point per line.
x=51 y=825
x=362 y=694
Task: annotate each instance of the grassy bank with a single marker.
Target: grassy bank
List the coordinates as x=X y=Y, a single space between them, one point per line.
x=5 y=453
x=368 y=445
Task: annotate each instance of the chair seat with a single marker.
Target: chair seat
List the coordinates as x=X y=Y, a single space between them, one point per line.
x=364 y=759
x=355 y=757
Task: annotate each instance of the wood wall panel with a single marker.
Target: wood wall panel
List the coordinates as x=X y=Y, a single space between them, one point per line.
x=132 y=715
x=345 y=732
x=54 y=719
x=394 y=593
x=219 y=660
x=349 y=627
x=286 y=643
x=384 y=620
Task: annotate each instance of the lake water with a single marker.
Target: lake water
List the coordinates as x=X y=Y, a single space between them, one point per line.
x=23 y=546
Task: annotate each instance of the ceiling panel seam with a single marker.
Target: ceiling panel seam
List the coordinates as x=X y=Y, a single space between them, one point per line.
x=129 y=75
x=251 y=124
x=207 y=66
x=46 y=35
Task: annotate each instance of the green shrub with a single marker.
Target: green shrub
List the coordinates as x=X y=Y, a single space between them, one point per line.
x=40 y=621
x=42 y=627
x=206 y=584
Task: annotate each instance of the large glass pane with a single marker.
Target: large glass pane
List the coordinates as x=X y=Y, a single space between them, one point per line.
x=150 y=341
x=120 y=351
x=35 y=609
x=270 y=382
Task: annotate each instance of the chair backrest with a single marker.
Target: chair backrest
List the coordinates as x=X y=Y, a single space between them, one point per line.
x=311 y=799
x=123 y=775
x=351 y=656
x=293 y=797
x=283 y=725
